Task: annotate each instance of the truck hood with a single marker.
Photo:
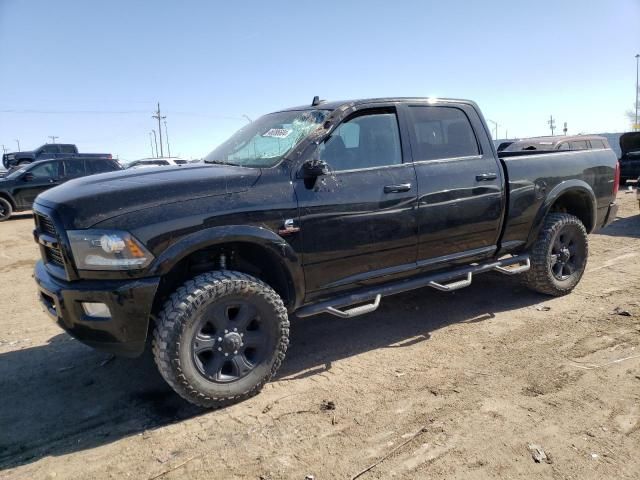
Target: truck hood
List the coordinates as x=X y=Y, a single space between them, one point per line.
x=83 y=202
x=629 y=142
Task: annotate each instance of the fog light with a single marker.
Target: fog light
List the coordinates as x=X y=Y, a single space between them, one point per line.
x=97 y=310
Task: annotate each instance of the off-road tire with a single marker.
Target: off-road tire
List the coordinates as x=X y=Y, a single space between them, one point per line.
x=540 y=276
x=177 y=327
x=5 y=209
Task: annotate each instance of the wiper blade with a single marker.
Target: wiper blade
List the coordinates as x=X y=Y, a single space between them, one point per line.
x=221 y=162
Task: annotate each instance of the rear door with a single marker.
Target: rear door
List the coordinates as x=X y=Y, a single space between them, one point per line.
x=460 y=183
x=358 y=222
x=36 y=180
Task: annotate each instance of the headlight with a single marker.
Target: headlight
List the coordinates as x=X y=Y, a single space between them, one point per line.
x=107 y=250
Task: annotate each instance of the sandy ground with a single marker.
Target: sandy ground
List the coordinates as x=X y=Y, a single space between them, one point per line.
x=431 y=385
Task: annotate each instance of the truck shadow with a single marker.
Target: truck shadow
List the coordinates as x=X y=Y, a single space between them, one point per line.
x=623 y=227
x=64 y=397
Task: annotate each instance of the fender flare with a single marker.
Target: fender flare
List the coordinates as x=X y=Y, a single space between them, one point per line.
x=556 y=192
x=286 y=256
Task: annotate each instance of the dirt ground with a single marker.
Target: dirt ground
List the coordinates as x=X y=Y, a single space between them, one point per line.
x=431 y=385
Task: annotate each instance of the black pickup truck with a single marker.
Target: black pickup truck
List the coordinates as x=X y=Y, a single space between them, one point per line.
x=46 y=152
x=20 y=187
x=325 y=208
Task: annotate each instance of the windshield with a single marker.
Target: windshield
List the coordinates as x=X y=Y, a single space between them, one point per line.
x=13 y=174
x=266 y=141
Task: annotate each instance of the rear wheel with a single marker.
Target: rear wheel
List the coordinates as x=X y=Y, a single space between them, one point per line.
x=220 y=338
x=5 y=209
x=559 y=255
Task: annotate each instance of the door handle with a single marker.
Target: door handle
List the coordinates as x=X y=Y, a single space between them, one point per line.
x=402 y=187
x=483 y=177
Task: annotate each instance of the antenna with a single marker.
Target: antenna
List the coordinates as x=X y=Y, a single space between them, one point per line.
x=316 y=101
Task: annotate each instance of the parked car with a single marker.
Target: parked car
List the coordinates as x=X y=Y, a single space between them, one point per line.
x=630 y=156
x=157 y=162
x=47 y=151
x=577 y=142
x=20 y=187
x=325 y=208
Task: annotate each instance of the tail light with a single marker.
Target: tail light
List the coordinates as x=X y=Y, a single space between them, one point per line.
x=616 y=180
x=109 y=155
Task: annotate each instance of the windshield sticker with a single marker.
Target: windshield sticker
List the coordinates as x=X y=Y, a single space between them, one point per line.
x=277 y=133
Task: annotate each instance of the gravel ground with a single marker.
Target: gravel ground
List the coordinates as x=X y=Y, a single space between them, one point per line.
x=433 y=385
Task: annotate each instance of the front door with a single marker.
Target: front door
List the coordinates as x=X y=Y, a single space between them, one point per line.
x=35 y=180
x=358 y=222
x=461 y=187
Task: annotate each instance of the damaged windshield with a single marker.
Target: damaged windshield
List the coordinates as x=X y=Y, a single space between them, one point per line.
x=266 y=141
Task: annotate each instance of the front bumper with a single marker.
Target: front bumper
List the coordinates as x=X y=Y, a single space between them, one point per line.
x=129 y=301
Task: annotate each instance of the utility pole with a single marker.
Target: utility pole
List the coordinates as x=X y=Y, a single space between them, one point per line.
x=151 y=143
x=166 y=134
x=4 y=150
x=495 y=124
x=53 y=138
x=18 y=142
x=552 y=124
x=564 y=129
x=636 y=127
x=159 y=117
x=155 y=139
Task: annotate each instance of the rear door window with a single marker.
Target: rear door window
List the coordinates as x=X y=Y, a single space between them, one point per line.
x=579 y=145
x=74 y=168
x=441 y=132
x=100 y=166
x=595 y=144
x=67 y=149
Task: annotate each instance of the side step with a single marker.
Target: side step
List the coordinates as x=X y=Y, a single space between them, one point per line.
x=335 y=306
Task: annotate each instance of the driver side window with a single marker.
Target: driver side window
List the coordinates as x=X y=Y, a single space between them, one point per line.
x=366 y=141
x=44 y=171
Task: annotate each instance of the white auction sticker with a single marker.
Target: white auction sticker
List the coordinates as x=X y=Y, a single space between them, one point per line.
x=277 y=133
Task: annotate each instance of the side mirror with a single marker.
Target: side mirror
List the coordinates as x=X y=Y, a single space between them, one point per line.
x=312 y=169
x=27 y=177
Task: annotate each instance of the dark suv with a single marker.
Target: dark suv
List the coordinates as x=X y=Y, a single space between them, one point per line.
x=20 y=187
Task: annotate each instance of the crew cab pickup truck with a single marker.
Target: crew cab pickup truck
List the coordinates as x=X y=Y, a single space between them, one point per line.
x=325 y=208
x=20 y=187
x=45 y=152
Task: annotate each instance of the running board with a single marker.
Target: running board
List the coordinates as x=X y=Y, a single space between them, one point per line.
x=444 y=281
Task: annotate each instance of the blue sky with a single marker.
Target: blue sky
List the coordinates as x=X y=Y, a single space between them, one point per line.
x=91 y=72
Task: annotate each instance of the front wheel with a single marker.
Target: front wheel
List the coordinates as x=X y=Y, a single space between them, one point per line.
x=5 y=209
x=220 y=337
x=559 y=255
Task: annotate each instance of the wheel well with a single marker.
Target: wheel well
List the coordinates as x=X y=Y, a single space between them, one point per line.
x=577 y=203
x=244 y=257
x=8 y=199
